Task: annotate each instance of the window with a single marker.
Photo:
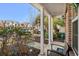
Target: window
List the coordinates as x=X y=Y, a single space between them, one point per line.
x=75 y=36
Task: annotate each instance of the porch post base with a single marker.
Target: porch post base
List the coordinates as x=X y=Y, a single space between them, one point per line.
x=41 y=54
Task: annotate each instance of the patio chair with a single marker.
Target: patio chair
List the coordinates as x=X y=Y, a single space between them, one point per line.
x=64 y=51
x=67 y=49
x=54 y=53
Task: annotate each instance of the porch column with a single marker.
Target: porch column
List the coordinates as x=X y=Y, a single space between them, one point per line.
x=49 y=31
x=78 y=30
x=42 y=32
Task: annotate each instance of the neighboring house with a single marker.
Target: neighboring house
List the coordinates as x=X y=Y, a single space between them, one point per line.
x=7 y=23
x=23 y=25
x=1 y=24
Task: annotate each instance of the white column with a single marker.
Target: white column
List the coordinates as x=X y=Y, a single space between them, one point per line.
x=51 y=29
x=78 y=30
x=42 y=31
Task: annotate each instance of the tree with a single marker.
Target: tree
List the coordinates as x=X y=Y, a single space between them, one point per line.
x=37 y=20
x=56 y=21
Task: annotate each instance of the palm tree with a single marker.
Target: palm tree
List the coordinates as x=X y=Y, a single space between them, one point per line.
x=58 y=21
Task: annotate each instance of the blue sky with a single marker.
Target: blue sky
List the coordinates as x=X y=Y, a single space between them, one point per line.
x=20 y=12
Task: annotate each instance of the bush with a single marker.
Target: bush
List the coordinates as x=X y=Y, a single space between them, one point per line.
x=54 y=36
x=46 y=34
x=59 y=36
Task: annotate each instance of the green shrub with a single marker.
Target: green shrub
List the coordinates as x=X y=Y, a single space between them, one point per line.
x=46 y=34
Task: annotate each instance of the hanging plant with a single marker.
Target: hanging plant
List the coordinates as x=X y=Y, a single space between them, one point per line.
x=75 y=6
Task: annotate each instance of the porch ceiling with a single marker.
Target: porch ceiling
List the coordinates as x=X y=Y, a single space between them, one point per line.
x=55 y=9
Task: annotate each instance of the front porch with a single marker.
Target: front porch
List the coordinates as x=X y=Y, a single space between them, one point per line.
x=50 y=10
x=42 y=38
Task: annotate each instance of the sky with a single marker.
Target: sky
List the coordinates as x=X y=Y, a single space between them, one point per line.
x=19 y=12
